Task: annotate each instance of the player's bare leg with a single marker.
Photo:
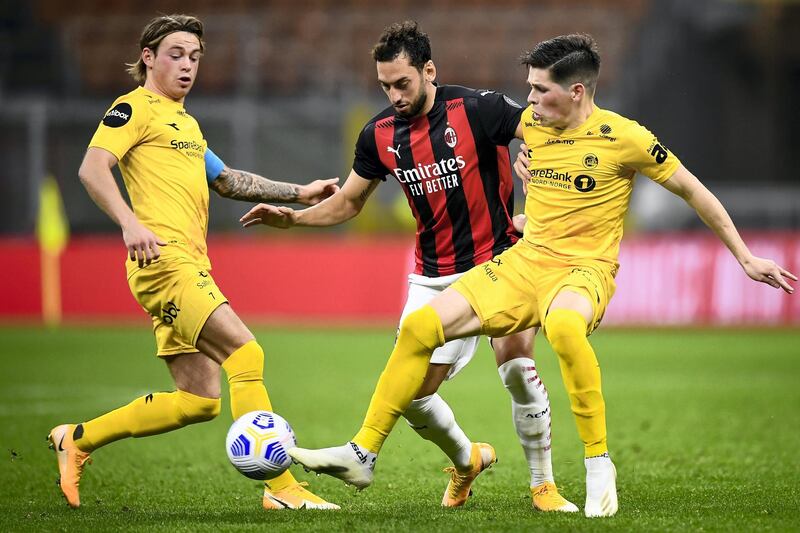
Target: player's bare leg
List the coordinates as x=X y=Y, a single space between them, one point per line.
x=448 y=316
x=530 y=409
x=227 y=340
x=566 y=328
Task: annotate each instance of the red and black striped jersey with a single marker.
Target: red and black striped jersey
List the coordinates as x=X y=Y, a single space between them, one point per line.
x=453 y=165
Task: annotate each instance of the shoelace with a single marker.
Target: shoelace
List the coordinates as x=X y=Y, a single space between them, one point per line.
x=80 y=462
x=457 y=478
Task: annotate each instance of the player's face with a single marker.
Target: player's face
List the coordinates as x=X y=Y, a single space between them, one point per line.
x=172 y=69
x=406 y=86
x=553 y=105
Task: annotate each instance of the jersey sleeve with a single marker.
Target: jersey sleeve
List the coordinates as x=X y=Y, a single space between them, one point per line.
x=214 y=165
x=499 y=116
x=367 y=163
x=123 y=126
x=641 y=151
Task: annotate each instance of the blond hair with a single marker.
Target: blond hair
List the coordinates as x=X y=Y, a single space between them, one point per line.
x=155 y=31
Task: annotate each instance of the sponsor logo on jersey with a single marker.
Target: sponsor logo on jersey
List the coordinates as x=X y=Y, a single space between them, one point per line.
x=658 y=151
x=590 y=161
x=484 y=93
x=191 y=148
x=183 y=113
x=118 y=116
x=431 y=178
x=393 y=150
x=605 y=129
x=584 y=183
x=186 y=145
x=551 y=174
x=568 y=142
x=421 y=172
x=450 y=137
x=174 y=126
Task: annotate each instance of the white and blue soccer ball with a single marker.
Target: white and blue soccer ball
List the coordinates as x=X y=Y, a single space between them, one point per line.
x=257 y=445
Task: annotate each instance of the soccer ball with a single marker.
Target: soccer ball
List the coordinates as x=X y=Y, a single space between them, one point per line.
x=257 y=444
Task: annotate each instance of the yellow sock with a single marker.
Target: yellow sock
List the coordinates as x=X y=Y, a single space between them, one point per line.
x=149 y=415
x=245 y=369
x=566 y=331
x=420 y=334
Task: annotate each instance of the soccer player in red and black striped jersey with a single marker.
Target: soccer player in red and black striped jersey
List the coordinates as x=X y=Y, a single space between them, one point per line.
x=447 y=147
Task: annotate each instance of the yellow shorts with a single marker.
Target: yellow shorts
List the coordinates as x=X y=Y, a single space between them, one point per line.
x=179 y=295
x=513 y=291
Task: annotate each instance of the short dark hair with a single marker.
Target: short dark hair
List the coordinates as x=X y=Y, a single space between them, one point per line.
x=570 y=58
x=155 y=31
x=403 y=37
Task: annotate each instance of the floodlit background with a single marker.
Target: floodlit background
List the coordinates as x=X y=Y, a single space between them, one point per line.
x=285 y=86
x=702 y=419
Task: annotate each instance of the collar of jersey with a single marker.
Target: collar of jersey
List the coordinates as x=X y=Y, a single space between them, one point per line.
x=162 y=99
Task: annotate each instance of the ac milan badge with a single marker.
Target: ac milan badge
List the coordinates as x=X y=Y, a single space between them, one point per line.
x=450 y=137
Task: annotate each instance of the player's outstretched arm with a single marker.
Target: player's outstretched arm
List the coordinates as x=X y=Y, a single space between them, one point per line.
x=343 y=205
x=684 y=184
x=95 y=174
x=243 y=185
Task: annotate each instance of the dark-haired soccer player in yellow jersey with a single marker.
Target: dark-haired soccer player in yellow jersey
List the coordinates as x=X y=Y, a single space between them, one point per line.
x=168 y=169
x=582 y=161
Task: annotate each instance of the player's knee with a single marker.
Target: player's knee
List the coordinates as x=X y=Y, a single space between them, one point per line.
x=194 y=409
x=565 y=328
x=424 y=327
x=245 y=364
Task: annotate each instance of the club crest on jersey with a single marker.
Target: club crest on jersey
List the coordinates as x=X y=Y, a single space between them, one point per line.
x=450 y=137
x=590 y=161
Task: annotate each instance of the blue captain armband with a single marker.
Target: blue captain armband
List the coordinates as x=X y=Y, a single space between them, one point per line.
x=214 y=165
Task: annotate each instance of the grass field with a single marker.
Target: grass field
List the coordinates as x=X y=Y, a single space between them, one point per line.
x=704 y=427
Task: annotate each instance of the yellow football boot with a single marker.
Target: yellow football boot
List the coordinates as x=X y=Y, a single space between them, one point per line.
x=458 y=490
x=71 y=461
x=546 y=498
x=295 y=497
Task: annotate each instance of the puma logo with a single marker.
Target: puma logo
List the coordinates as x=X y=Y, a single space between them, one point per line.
x=395 y=151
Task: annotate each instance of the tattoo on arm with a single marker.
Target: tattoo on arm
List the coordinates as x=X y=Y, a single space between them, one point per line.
x=366 y=192
x=243 y=185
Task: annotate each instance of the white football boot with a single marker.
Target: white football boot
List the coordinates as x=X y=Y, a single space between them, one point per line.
x=601 y=487
x=349 y=462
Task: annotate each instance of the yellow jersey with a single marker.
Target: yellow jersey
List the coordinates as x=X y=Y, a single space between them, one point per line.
x=581 y=182
x=161 y=152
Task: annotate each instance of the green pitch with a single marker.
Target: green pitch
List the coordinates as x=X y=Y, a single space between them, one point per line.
x=704 y=427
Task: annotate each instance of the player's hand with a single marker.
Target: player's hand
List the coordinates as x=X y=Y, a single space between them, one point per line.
x=270 y=215
x=318 y=190
x=142 y=244
x=767 y=271
x=521 y=164
x=519 y=222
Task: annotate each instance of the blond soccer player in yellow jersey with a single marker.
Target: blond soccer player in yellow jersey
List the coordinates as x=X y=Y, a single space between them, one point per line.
x=168 y=170
x=561 y=274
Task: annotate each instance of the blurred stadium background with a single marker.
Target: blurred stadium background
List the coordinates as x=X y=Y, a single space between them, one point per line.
x=284 y=88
